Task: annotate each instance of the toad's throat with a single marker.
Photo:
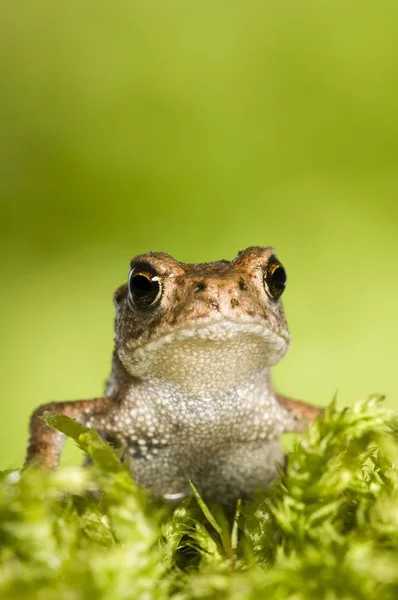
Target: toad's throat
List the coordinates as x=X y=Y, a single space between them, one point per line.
x=207 y=358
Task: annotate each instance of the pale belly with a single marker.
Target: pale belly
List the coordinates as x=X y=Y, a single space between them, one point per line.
x=221 y=473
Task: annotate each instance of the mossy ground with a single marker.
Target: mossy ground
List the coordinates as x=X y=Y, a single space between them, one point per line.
x=328 y=528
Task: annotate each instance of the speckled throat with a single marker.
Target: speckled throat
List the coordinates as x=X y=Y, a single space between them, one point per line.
x=207 y=357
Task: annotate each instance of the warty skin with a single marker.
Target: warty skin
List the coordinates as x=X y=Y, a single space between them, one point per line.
x=190 y=394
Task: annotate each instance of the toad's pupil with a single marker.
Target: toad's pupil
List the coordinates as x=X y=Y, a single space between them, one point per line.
x=144 y=289
x=141 y=284
x=275 y=280
x=278 y=278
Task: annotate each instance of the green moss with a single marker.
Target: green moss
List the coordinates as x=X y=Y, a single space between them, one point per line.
x=328 y=528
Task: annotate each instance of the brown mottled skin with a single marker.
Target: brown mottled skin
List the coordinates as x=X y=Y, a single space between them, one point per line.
x=190 y=394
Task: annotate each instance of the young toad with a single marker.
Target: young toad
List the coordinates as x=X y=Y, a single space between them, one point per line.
x=190 y=394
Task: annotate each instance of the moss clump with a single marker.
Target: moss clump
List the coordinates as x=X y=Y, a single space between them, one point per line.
x=328 y=528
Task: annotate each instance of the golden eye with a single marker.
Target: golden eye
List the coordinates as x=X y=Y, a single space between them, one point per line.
x=145 y=288
x=274 y=278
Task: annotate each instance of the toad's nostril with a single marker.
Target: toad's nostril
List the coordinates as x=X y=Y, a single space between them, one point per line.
x=242 y=285
x=199 y=287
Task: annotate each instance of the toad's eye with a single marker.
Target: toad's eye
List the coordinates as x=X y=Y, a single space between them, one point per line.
x=274 y=278
x=145 y=288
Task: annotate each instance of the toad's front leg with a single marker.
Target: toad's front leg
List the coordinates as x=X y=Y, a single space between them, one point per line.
x=46 y=443
x=302 y=412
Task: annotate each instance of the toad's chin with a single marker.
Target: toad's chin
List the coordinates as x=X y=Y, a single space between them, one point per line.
x=217 y=354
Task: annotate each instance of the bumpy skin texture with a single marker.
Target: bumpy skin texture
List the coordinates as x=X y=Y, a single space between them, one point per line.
x=190 y=395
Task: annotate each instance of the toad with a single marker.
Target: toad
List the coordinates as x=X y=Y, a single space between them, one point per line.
x=190 y=395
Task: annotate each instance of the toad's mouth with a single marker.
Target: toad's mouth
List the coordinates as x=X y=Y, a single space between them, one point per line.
x=203 y=350
x=219 y=331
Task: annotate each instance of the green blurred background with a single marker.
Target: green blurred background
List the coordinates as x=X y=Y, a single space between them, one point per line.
x=196 y=129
